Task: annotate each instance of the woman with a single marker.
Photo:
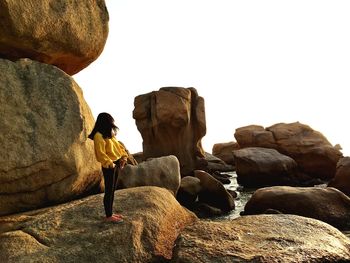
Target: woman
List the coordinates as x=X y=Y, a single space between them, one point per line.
x=112 y=155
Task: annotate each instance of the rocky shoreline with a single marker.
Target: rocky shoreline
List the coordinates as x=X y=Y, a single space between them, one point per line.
x=51 y=185
x=157 y=229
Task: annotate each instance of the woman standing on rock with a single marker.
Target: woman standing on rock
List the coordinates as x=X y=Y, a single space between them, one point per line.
x=112 y=155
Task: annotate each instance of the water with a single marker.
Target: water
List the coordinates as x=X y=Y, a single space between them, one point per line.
x=244 y=195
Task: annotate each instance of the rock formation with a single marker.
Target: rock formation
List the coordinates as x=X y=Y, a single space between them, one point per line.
x=313 y=153
x=213 y=193
x=162 y=172
x=67 y=34
x=326 y=204
x=258 y=167
x=76 y=232
x=261 y=239
x=172 y=122
x=45 y=154
x=224 y=151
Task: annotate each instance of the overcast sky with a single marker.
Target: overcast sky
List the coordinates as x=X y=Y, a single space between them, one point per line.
x=254 y=62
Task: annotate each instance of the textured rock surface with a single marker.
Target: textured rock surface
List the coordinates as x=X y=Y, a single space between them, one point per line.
x=45 y=154
x=162 y=172
x=309 y=148
x=76 y=232
x=67 y=34
x=172 y=122
x=326 y=204
x=263 y=238
x=341 y=181
x=257 y=167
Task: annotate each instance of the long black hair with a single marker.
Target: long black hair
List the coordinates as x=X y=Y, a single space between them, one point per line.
x=104 y=125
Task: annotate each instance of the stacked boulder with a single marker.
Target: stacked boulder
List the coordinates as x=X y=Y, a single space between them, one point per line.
x=315 y=157
x=172 y=122
x=45 y=121
x=66 y=34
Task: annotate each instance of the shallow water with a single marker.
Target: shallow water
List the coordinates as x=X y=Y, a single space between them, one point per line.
x=244 y=195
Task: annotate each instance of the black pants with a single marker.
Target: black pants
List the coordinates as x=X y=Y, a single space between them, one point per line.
x=110 y=178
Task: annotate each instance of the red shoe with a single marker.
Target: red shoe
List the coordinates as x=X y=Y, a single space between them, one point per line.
x=113 y=219
x=117 y=216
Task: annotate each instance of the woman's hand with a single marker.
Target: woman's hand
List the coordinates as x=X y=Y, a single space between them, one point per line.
x=123 y=161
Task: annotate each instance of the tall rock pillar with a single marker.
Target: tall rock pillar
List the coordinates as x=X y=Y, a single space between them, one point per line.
x=172 y=121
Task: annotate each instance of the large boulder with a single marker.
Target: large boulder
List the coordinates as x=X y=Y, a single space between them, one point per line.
x=326 y=204
x=45 y=154
x=254 y=136
x=257 y=167
x=261 y=239
x=77 y=232
x=172 y=122
x=341 y=181
x=162 y=172
x=313 y=153
x=67 y=34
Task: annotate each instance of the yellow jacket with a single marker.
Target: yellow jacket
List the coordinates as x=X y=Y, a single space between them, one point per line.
x=108 y=150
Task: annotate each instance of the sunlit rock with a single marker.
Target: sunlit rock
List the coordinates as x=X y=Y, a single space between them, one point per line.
x=224 y=151
x=67 y=34
x=172 y=122
x=77 y=232
x=254 y=136
x=309 y=148
x=162 y=172
x=45 y=154
x=262 y=238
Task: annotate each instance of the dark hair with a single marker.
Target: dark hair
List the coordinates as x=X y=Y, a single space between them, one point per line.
x=105 y=125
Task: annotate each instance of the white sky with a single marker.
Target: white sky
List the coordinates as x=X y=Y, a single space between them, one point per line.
x=254 y=62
